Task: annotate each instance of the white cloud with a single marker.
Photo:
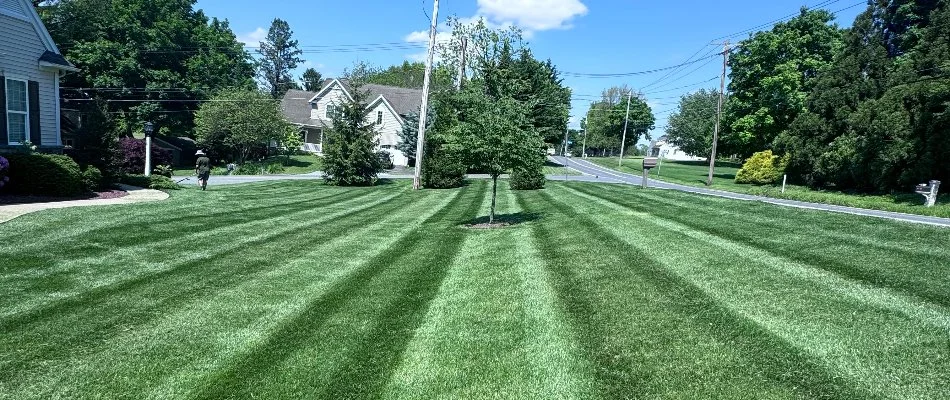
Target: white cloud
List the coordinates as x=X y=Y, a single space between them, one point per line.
x=532 y=15
x=253 y=39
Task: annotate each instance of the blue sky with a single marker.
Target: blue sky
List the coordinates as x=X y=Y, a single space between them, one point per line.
x=579 y=36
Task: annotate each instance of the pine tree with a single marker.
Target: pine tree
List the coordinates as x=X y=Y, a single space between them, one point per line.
x=350 y=158
x=279 y=56
x=312 y=80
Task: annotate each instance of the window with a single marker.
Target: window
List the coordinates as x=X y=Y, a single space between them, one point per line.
x=379 y=118
x=331 y=110
x=17 y=109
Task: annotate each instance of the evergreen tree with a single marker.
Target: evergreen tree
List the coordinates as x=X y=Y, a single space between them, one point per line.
x=312 y=80
x=349 y=155
x=279 y=56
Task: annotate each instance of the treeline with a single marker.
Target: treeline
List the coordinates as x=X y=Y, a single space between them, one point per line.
x=863 y=108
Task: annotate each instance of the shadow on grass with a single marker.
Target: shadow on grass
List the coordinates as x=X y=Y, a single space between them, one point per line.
x=506 y=219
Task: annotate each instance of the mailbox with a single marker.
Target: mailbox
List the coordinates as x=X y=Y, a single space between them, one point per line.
x=650 y=162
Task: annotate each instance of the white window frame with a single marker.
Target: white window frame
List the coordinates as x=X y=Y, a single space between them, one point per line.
x=331 y=108
x=7 y=110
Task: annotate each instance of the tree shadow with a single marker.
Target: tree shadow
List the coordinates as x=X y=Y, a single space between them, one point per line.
x=505 y=219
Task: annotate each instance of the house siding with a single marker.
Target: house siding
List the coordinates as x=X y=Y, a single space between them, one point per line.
x=388 y=131
x=20 y=50
x=335 y=96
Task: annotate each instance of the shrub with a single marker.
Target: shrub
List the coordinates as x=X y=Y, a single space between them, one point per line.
x=158 y=182
x=762 y=168
x=164 y=170
x=44 y=175
x=4 y=167
x=275 y=168
x=248 y=169
x=92 y=178
x=133 y=155
x=442 y=169
x=527 y=179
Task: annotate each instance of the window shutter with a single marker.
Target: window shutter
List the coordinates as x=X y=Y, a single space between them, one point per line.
x=4 y=139
x=36 y=137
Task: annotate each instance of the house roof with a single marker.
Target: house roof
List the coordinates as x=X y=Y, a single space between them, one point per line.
x=296 y=103
x=296 y=107
x=56 y=60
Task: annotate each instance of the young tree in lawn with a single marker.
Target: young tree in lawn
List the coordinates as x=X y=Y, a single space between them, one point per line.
x=312 y=80
x=349 y=156
x=495 y=135
x=691 y=127
x=238 y=122
x=279 y=56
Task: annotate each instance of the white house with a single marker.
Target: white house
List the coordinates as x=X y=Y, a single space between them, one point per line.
x=312 y=112
x=662 y=148
x=30 y=67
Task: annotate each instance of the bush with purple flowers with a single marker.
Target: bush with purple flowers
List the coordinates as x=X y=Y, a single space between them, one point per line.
x=4 y=168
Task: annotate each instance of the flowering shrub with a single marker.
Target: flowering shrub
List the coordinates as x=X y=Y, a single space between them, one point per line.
x=4 y=167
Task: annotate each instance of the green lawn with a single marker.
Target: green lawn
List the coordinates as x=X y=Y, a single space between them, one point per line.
x=296 y=164
x=557 y=169
x=290 y=290
x=695 y=173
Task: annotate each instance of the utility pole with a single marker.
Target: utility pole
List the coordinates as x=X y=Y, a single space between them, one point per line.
x=586 y=128
x=722 y=90
x=461 y=77
x=626 y=120
x=424 y=112
x=567 y=133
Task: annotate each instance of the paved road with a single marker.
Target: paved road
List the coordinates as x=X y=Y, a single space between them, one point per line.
x=589 y=168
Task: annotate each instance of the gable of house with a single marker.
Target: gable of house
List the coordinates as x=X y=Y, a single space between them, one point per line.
x=30 y=64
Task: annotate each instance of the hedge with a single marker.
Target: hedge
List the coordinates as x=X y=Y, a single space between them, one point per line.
x=44 y=175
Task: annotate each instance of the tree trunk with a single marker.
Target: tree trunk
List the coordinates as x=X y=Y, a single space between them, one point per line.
x=494 y=192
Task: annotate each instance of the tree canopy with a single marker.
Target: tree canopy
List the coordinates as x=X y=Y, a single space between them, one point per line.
x=691 y=126
x=604 y=121
x=279 y=56
x=239 y=123
x=146 y=59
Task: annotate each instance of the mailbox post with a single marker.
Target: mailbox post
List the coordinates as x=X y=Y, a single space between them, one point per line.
x=929 y=191
x=648 y=163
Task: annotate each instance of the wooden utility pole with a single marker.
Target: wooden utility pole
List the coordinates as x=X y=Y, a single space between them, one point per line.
x=461 y=72
x=626 y=120
x=586 y=128
x=424 y=112
x=722 y=90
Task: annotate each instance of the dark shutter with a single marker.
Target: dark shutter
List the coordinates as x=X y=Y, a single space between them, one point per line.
x=36 y=137
x=3 y=112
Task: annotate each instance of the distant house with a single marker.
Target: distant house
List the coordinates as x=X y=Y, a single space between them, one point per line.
x=662 y=148
x=30 y=67
x=388 y=106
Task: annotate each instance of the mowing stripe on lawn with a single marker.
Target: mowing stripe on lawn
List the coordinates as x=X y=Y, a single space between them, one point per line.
x=104 y=312
x=493 y=330
x=884 y=298
x=143 y=257
x=212 y=333
x=881 y=351
x=345 y=341
x=911 y=260
x=657 y=335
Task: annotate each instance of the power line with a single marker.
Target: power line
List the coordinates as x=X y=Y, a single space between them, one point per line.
x=625 y=74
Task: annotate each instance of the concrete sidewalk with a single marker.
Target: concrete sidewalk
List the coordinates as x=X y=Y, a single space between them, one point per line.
x=136 y=195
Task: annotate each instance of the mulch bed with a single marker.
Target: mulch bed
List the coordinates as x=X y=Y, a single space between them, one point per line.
x=16 y=199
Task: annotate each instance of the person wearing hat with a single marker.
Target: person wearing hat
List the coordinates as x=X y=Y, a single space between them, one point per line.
x=202 y=169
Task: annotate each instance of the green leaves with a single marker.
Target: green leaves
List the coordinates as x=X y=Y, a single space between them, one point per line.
x=238 y=121
x=691 y=127
x=279 y=55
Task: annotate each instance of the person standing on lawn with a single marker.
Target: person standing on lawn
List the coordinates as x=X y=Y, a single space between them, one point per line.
x=203 y=169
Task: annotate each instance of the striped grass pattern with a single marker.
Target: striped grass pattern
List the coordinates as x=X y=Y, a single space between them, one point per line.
x=288 y=290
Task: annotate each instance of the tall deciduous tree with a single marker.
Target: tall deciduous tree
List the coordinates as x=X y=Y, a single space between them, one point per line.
x=146 y=59
x=312 y=80
x=691 y=126
x=279 y=56
x=771 y=75
x=240 y=122
x=604 y=124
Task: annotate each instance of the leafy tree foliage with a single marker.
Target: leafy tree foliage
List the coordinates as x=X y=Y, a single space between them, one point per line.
x=156 y=56
x=279 y=56
x=312 y=80
x=605 y=121
x=877 y=119
x=772 y=74
x=349 y=155
x=411 y=76
x=691 y=126
x=238 y=123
